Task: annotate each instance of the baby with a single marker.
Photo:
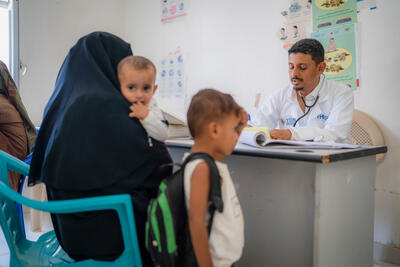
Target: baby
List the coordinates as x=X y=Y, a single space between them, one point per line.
x=137 y=77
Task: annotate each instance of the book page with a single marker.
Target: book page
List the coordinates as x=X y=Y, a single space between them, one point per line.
x=309 y=144
x=256 y=138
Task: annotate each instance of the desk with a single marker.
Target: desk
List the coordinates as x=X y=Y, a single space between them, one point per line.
x=303 y=207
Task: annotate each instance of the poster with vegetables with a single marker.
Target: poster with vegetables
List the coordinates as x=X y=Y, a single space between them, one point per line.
x=340 y=53
x=332 y=13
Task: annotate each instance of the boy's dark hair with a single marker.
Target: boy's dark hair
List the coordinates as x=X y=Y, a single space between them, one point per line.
x=311 y=47
x=209 y=105
x=137 y=62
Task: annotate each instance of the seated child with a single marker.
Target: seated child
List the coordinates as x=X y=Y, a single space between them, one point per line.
x=137 y=76
x=215 y=122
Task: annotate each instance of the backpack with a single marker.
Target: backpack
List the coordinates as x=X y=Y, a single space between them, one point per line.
x=167 y=235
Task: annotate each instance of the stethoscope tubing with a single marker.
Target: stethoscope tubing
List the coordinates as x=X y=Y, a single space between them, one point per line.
x=307 y=106
x=308 y=109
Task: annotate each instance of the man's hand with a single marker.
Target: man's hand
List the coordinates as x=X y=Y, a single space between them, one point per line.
x=285 y=134
x=139 y=110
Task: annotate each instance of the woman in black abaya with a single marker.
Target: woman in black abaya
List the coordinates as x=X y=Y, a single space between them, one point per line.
x=88 y=146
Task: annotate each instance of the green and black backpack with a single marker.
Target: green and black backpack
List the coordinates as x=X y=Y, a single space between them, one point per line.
x=167 y=229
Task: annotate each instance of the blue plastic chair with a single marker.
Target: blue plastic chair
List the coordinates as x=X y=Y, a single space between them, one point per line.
x=46 y=250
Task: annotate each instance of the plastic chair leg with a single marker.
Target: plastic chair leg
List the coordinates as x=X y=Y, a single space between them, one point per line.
x=19 y=207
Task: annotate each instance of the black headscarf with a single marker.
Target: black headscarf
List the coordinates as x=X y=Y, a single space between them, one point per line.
x=87 y=140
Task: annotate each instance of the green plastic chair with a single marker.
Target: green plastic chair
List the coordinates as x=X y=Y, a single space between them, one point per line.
x=46 y=251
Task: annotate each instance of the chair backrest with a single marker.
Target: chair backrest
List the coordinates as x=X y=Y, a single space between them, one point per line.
x=364 y=131
x=45 y=251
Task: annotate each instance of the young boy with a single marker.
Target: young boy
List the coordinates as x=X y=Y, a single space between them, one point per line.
x=215 y=122
x=137 y=77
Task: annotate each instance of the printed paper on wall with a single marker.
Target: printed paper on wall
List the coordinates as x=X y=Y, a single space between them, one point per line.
x=332 y=13
x=340 y=53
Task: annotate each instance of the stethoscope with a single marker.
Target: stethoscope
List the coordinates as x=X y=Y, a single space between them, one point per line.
x=309 y=107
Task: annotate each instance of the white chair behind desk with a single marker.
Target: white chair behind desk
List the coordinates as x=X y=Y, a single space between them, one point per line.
x=364 y=131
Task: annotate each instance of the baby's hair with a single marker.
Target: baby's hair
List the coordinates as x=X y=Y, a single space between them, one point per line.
x=137 y=62
x=209 y=105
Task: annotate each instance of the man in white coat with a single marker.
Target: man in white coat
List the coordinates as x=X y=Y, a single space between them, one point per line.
x=312 y=107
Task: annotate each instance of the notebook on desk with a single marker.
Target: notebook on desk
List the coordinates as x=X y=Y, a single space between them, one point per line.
x=174 y=119
x=177 y=126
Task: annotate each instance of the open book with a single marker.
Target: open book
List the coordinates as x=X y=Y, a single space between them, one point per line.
x=177 y=125
x=174 y=119
x=256 y=137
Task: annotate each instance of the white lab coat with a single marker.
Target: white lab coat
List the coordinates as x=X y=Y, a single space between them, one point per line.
x=328 y=121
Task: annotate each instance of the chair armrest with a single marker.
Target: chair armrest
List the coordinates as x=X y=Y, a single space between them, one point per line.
x=13 y=164
x=120 y=203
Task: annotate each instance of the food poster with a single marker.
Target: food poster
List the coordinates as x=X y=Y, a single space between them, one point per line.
x=332 y=13
x=340 y=53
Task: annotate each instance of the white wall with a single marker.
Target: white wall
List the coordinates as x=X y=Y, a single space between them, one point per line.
x=48 y=29
x=378 y=96
x=228 y=45
x=225 y=45
x=4 y=36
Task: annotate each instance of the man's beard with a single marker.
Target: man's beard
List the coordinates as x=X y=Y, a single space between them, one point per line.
x=297 y=88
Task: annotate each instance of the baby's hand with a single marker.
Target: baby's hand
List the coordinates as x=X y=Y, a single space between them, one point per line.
x=139 y=110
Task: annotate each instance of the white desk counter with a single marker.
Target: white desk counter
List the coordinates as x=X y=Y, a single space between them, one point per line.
x=303 y=207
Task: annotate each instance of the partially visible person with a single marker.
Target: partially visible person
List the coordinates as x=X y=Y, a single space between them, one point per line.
x=89 y=146
x=17 y=132
x=312 y=108
x=137 y=77
x=215 y=121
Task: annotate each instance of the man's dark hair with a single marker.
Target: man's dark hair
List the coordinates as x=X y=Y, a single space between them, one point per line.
x=309 y=47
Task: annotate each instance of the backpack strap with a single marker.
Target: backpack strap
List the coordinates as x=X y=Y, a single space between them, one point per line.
x=215 y=185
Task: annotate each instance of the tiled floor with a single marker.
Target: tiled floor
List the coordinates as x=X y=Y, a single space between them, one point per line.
x=5 y=254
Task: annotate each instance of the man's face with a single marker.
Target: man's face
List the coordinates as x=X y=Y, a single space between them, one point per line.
x=304 y=72
x=137 y=85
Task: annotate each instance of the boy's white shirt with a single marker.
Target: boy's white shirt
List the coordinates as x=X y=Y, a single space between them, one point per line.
x=155 y=123
x=226 y=240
